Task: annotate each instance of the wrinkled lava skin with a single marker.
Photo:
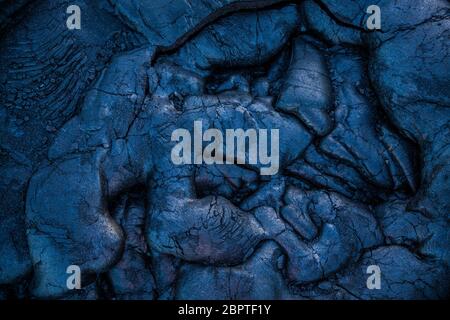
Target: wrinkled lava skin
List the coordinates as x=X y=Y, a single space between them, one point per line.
x=86 y=177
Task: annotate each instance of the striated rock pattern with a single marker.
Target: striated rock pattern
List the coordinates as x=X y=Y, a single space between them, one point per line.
x=86 y=123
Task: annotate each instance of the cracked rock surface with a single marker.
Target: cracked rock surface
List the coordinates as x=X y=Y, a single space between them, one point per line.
x=86 y=176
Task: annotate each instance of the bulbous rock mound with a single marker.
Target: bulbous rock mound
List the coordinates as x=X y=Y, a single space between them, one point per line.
x=87 y=137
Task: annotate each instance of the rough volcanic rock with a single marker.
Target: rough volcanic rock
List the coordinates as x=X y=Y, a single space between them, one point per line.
x=87 y=122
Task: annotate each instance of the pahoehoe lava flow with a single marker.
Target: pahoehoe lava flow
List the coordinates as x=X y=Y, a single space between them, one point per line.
x=87 y=176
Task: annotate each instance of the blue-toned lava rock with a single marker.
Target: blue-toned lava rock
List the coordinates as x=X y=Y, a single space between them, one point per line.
x=87 y=178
